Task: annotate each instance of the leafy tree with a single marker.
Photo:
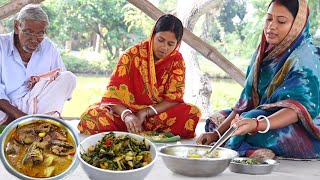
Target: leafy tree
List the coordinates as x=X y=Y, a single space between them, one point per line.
x=314 y=19
x=82 y=20
x=254 y=25
x=226 y=32
x=135 y=19
x=232 y=16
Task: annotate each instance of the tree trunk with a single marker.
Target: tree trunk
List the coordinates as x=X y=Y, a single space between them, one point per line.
x=198 y=87
x=14 y=6
x=68 y=45
x=97 y=49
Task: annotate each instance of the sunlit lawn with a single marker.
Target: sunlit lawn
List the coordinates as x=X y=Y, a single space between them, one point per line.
x=225 y=93
x=90 y=89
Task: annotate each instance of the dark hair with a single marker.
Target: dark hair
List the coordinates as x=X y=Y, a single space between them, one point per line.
x=170 y=23
x=291 y=5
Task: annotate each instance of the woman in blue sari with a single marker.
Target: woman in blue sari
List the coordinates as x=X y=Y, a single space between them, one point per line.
x=278 y=111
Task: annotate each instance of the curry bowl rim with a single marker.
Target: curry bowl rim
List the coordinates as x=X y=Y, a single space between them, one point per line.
x=235 y=153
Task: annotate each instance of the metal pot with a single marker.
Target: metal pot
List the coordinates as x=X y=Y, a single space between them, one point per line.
x=176 y=159
x=29 y=119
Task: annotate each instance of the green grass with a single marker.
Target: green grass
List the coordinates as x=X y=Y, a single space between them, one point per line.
x=225 y=93
x=90 y=89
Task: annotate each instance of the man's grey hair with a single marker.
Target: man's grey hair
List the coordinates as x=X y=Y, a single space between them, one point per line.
x=32 y=12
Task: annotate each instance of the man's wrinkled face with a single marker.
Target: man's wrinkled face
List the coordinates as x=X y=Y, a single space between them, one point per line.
x=30 y=33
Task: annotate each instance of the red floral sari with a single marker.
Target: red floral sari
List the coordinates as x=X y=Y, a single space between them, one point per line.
x=138 y=82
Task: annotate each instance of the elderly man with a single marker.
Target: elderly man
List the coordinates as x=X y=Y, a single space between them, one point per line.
x=33 y=77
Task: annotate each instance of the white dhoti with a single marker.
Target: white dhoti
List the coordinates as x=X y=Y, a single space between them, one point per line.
x=47 y=96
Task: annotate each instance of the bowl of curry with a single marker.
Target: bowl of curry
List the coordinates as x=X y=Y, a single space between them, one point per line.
x=39 y=147
x=117 y=155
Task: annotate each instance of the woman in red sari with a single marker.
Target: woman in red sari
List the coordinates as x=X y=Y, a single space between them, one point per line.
x=146 y=89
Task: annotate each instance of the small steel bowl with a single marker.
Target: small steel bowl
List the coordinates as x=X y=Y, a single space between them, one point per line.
x=176 y=159
x=266 y=166
x=27 y=120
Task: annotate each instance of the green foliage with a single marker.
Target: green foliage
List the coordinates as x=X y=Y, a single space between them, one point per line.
x=226 y=32
x=122 y=25
x=254 y=27
x=87 y=62
x=168 y=6
x=82 y=20
x=225 y=94
x=232 y=16
x=314 y=19
x=135 y=19
x=2 y=2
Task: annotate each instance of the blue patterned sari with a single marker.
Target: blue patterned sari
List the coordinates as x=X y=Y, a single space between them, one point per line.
x=286 y=77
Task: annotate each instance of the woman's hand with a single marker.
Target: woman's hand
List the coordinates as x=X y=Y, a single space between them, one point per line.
x=133 y=123
x=207 y=138
x=142 y=115
x=245 y=126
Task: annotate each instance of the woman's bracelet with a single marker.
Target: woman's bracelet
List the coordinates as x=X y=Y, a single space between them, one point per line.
x=123 y=114
x=124 y=117
x=261 y=118
x=216 y=130
x=154 y=109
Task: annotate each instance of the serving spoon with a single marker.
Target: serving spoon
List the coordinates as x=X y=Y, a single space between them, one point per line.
x=223 y=138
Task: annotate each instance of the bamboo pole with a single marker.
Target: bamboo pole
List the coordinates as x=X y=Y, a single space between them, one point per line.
x=196 y=43
x=14 y=6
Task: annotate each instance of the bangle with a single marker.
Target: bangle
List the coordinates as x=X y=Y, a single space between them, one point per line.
x=256 y=130
x=154 y=110
x=261 y=118
x=124 y=117
x=216 y=130
x=123 y=112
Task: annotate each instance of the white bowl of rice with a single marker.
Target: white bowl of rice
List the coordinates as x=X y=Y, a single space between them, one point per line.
x=117 y=155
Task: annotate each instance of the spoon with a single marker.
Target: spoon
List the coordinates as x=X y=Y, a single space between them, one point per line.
x=224 y=137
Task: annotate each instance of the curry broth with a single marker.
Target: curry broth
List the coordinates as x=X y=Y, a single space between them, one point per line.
x=60 y=163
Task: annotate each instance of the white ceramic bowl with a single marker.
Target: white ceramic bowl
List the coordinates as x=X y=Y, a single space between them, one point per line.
x=103 y=174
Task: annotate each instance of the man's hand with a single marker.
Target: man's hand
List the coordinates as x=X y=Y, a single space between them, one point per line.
x=12 y=111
